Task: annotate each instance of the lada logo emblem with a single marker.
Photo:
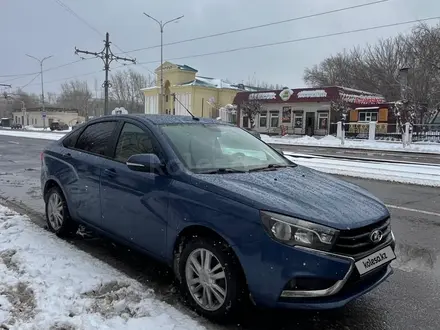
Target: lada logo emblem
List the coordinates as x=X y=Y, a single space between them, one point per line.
x=376 y=236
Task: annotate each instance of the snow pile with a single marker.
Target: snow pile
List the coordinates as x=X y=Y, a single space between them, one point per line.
x=331 y=141
x=403 y=173
x=33 y=135
x=41 y=129
x=47 y=284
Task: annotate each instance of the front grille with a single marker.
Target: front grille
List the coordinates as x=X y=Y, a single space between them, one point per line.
x=356 y=243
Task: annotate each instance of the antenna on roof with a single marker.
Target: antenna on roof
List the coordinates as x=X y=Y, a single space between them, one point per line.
x=187 y=110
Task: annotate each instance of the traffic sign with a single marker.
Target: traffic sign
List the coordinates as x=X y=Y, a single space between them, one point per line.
x=43 y=114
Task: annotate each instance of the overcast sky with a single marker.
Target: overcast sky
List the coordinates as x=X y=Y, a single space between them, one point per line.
x=45 y=27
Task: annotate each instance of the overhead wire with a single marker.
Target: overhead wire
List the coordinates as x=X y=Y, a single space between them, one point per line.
x=72 y=12
x=328 y=35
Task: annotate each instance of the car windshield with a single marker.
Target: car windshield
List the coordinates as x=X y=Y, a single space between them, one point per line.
x=212 y=148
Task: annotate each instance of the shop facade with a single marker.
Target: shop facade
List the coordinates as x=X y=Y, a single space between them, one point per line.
x=305 y=111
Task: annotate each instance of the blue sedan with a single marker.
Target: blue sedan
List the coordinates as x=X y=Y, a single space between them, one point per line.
x=235 y=219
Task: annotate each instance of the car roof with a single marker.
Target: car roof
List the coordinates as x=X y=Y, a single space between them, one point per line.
x=164 y=119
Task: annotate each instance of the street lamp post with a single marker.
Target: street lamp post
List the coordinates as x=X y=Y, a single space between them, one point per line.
x=42 y=85
x=162 y=25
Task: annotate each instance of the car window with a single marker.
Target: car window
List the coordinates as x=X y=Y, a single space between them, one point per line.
x=96 y=137
x=133 y=140
x=203 y=147
x=70 y=140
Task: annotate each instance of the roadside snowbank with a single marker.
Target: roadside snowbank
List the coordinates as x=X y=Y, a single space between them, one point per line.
x=47 y=284
x=331 y=141
x=403 y=173
x=33 y=135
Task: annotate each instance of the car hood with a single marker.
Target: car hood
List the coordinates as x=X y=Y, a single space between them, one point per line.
x=299 y=192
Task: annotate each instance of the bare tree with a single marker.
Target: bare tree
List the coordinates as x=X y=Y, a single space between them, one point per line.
x=374 y=68
x=76 y=94
x=251 y=109
x=126 y=89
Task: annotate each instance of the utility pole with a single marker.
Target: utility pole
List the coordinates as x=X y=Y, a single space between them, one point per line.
x=107 y=56
x=162 y=25
x=42 y=85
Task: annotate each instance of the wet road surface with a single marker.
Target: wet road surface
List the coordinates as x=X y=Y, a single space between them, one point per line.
x=410 y=299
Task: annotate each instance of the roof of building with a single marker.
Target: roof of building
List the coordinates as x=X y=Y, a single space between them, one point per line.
x=185 y=67
x=218 y=83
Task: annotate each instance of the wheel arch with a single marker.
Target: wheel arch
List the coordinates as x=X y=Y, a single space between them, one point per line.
x=198 y=230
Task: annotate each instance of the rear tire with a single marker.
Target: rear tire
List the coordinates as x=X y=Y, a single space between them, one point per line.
x=58 y=217
x=211 y=279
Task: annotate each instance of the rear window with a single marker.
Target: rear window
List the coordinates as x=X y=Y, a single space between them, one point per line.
x=96 y=137
x=70 y=140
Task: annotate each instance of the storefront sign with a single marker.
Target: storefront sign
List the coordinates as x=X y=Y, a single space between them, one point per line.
x=361 y=99
x=263 y=96
x=285 y=94
x=317 y=93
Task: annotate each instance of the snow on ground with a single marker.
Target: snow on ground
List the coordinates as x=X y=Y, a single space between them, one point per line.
x=331 y=141
x=45 y=283
x=33 y=135
x=40 y=129
x=403 y=173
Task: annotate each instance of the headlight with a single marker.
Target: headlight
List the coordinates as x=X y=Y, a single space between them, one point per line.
x=294 y=231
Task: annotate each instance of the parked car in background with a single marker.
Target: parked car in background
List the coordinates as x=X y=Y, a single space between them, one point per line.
x=58 y=126
x=235 y=219
x=16 y=126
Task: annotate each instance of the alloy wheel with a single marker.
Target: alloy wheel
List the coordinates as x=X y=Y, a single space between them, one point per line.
x=206 y=279
x=55 y=211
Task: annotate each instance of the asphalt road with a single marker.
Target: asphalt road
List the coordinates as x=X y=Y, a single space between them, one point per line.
x=410 y=299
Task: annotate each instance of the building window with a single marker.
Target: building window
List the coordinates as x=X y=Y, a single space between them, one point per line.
x=174 y=111
x=287 y=115
x=166 y=98
x=367 y=116
x=298 y=123
x=263 y=119
x=245 y=121
x=322 y=120
x=274 y=119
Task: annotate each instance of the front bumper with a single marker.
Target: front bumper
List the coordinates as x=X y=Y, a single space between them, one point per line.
x=336 y=275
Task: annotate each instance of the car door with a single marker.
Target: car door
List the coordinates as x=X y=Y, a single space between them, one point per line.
x=134 y=204
x=88 y=156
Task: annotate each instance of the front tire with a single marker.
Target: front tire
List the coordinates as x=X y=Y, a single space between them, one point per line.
x=57 y=214
x=212 y=279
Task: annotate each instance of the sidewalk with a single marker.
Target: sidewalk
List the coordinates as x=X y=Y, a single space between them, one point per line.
x=333 y=142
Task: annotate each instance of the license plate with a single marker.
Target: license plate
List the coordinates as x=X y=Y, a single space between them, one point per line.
x=375 y=260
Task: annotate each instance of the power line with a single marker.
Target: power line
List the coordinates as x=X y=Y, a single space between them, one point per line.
x=72 y=12
x=297 y=40
x=30 y=82
x=21 y=75
x=261 y=25
x=107 y=56
x=277 y=43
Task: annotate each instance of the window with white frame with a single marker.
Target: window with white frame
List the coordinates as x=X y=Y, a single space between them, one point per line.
x=263 y=120
x=323 y=120
x=367 y=116
x=298 y=119
x=274 y=119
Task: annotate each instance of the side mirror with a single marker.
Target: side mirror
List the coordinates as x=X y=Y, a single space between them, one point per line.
x=281 y=152
x=145 y=163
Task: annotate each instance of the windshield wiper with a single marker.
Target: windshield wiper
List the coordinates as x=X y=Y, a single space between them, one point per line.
x=271 y=167
x=222 y=171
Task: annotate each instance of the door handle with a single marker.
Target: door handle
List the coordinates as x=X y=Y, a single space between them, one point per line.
x=68 y=155
x=110 y=172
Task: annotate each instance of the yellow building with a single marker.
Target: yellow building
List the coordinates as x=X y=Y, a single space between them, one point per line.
x=202 y=96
